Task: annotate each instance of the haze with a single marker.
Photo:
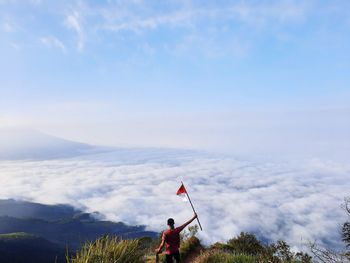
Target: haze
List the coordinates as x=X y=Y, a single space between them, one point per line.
x=108 y=105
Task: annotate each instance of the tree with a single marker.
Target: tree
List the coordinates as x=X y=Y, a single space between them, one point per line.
x=326 y=255
x=283 y=251
x=346 y=227
x=246 y=243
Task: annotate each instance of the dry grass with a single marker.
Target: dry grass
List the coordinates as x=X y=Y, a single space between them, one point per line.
x=109 y=250
x=214 y=256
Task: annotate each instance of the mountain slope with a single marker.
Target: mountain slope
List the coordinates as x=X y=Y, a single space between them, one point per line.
x=61 y=224
x=23 y=209
x=23 y=247
x=16 y=144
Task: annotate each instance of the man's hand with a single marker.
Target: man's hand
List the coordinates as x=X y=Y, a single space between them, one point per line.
x=195 y=215
x=158 y=250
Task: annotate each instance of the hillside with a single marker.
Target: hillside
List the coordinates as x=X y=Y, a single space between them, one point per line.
x=19 y=144
x=45 y=231
x=24 y=247
x=22 y=209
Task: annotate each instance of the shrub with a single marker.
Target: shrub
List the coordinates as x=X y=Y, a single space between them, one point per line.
x=109 y=250
x=192 y=231
x=246 y=243
x=216 y=256
x=222 y=247
x=346 y=226
x=188 y=246
x=283 y=251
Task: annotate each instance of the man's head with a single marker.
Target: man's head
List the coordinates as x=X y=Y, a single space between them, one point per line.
x=171 y=223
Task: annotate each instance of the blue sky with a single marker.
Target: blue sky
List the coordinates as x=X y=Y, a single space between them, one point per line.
x=198 y=74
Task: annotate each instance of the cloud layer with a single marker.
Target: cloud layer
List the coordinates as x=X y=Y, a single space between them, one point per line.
x=296 y=202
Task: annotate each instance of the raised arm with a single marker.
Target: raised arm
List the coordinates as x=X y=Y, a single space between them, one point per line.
x=188 y=222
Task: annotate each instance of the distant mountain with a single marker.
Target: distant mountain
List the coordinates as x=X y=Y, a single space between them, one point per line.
x=25 y=210
x=61 y=224
x=26 y=144
x=32 y=232
x=16 y=144
x=24 y=247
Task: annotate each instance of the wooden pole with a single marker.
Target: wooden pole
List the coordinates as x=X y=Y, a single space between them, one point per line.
x=194 y=211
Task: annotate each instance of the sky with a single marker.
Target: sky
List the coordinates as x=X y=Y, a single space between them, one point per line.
x=235 y=80
x=233 y=76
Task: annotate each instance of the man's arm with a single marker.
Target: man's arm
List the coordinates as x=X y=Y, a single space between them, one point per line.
x=159 y=249
x=188 y=222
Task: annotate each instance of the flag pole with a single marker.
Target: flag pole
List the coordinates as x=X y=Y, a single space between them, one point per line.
x=194 y=211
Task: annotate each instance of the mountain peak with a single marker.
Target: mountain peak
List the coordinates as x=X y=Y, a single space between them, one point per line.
x=21 y=143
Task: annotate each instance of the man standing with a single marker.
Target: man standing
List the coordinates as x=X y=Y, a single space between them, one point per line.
x=171 y=240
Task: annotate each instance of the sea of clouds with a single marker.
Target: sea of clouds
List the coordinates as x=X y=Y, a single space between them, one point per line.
x=294 y=201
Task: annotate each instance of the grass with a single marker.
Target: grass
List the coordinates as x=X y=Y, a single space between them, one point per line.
x=13 y=236
x=188 y=246
x=113 y=250
x=109 y=250
x=214 y=256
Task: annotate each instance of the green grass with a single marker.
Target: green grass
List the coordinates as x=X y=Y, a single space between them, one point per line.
x=213 y=256
x=109 y=250
x=19 y=235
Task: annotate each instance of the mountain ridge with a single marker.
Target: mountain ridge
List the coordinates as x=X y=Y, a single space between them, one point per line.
x=23 y=144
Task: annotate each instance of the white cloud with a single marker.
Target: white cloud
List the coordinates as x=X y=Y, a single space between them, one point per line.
x=8 y=27
x=74 y=21
x=289 y=201
x=245 y=21
x=54 y=42
x=137 y=23
x=195 y=21
x=190 y=15
x=15 y=46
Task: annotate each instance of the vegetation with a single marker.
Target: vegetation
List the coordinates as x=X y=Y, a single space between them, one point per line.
x=244 y=248
x=246 y=243
x=109 y=250
x=188 y=246
x=215 y=256
x=14 y=236
x=28 y=248
x=61 y=224
x=346 y=229
x=247 y=247
x=326 y=255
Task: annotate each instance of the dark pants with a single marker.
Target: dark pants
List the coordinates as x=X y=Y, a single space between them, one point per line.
x=176 y=256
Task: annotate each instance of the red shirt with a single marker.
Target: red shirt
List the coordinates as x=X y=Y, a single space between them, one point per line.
x=172 y=239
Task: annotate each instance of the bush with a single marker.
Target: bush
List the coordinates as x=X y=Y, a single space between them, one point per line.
x=109 y=250
x=188 y=246
x=192 y=231
x=216 y=256
x=222 y=247
x=246 y=243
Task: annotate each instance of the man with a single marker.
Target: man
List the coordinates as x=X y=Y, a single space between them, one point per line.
x=171 y=240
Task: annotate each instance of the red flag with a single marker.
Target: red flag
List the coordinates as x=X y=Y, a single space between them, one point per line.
x=182 y=190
